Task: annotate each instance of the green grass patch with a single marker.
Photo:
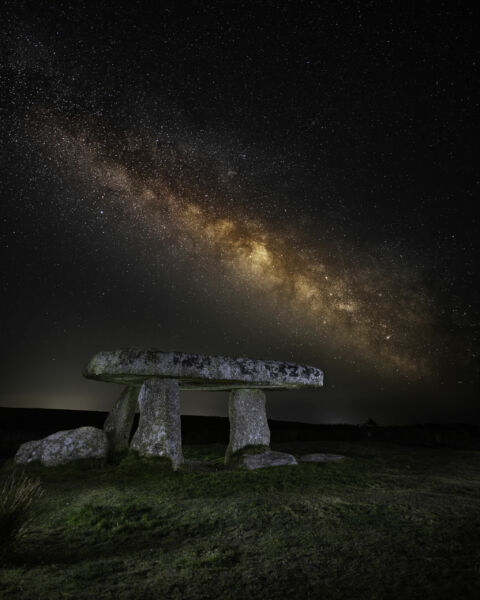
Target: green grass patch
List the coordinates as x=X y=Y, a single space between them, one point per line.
x=93 y=569
x=112 y=518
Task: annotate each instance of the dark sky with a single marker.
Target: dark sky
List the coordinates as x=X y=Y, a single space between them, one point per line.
x=285 y=180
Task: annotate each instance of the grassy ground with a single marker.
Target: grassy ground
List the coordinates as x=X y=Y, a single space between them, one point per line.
x=388 y=522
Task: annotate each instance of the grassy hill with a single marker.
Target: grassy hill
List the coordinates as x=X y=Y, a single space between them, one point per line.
x=387 y=522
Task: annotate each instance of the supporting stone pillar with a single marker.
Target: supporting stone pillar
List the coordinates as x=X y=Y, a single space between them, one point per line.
x=248 y=421
x=159 y=428
x=118 y=424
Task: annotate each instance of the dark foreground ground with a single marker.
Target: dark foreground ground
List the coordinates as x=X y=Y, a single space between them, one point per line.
x=388 y=522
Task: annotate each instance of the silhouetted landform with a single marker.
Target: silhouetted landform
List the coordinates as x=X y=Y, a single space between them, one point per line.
x=19 y=425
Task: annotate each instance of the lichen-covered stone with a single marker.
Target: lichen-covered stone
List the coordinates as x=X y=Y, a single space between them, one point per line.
x=64 y=446
x=266 y=459
x=159 y=426
x=248 y=421
x=118 y=424
x=321 y=457
x=132 y=366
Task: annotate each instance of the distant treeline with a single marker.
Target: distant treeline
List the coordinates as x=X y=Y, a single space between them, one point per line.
x=19 y=425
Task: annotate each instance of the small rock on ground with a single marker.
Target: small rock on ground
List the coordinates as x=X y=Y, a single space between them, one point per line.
x=321 y=457
x=267 y=459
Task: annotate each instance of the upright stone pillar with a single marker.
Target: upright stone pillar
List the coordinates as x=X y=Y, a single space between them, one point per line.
x=159 y=428
x=118 y=424
x=248 y=421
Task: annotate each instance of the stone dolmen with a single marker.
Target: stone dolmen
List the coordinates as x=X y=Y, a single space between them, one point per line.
x=157 y=376
x=152 y=380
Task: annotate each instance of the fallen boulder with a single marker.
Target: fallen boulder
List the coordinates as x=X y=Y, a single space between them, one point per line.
x=64 y=446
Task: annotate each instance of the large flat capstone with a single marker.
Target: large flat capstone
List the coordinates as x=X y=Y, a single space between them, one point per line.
x=132 y=366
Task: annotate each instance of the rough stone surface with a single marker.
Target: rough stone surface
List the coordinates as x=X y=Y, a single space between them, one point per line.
x=118 y=424
x=267 y=459
x=321 y=457
x=64 y=446
x=159 y=426
x=132 y=366
x=248 y=421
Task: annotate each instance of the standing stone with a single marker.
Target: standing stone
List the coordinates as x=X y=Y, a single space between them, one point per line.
x=118 y=424
x=159 y=428
x=248 y=421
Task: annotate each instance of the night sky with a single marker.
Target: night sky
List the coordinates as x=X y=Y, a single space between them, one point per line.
x=294 y=181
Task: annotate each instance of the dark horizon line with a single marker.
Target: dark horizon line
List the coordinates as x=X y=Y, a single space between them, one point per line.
x=374 y=423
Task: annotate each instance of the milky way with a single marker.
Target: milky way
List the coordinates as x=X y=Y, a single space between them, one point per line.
x=271 y=183
x=354 y=306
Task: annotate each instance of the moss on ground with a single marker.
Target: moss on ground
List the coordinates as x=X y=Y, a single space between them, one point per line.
x=388 y=522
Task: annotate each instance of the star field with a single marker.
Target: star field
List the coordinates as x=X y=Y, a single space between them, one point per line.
x=280 y=181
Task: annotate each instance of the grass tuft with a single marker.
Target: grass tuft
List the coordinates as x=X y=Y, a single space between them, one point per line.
x=18 y=494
